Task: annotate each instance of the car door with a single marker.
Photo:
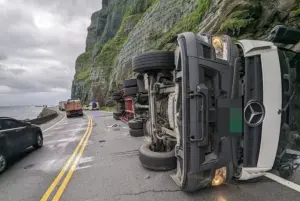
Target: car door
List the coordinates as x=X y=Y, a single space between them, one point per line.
x=5 y=146
x=16 y=135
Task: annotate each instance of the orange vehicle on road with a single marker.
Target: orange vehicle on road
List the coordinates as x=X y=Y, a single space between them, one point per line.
x=73 y=108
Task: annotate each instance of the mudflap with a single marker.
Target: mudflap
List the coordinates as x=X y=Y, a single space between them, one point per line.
x=202 y=149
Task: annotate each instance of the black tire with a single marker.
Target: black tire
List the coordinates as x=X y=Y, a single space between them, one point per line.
x=116 y=115
x=39 y=141
x=130 y=83
x=116 y=96
x=120 y=107
x=136 y=132
x=131 y=91
x=160 y=161
x=3 y=162
x=154 y=61
x=135 y=124
x=68 y=116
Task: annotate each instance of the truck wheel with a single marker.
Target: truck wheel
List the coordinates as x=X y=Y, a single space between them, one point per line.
x=136 y=132
x=135 y=124
x=157 y=160
x=116 y=115
x=3 y=163
x=131 y=91
x=152 y=61
x=116 y=96
x=130 y=83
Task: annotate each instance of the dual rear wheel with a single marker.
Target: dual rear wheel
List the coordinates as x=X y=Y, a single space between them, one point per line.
x=153 y=62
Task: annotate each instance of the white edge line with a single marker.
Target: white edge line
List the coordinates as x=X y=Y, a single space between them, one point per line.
x=54 y=124
x=284 y=182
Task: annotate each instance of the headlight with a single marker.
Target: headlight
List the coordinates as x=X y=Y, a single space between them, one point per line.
x=220 y=176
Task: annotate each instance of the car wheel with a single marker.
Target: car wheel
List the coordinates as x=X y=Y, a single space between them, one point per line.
x=161 y=161
x=131 y=91
x=39 y=141
x=3 y=163
x=130 y=83
x=136 y=132
x=135 y=124
x=154 y=61
x=116 y=115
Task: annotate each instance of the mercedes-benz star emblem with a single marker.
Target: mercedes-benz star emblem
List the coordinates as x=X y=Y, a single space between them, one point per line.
x=254 y=113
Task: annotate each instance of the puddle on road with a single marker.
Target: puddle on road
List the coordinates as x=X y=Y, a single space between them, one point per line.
x=48 y=166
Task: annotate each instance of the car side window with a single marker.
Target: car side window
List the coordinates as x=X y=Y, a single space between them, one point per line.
x=1 y=125
x=10 y=123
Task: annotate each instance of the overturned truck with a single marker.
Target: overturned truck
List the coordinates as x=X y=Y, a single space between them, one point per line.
x=217 y=110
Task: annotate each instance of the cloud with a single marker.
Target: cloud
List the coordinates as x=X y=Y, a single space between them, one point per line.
x=40 y=40
x=3 y=57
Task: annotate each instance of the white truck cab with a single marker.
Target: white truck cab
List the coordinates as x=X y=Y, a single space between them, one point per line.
x=215 y=110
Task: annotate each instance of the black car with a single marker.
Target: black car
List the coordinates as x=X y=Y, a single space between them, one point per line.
x=15 y=137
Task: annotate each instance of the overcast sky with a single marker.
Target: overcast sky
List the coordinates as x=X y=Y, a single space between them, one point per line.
x=39 y=43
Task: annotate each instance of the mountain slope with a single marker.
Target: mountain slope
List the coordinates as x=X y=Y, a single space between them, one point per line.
x=125 y=28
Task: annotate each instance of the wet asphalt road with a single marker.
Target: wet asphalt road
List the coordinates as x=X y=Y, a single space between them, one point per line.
x=109 y=169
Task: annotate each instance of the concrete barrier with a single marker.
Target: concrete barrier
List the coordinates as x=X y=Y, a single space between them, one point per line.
x=45 y=116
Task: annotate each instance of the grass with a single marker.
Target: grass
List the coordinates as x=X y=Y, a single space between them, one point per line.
x=235 y=25
x=108 y=109
x=111 y=49
x=84 y=57
x=188 y=23
x=238 y=20
x=297 y=11
x=84 y=73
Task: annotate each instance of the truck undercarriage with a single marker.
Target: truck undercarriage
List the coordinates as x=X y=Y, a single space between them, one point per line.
x=216 y=110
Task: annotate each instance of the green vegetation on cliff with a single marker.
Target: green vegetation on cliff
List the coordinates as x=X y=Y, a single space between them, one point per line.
x=84 y=61
x=236 y=21
x=123 y=29
x=188 y=23
x=107 y=56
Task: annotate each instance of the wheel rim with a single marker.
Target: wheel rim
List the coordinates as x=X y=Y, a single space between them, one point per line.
x=2 y=163
x=39 y=140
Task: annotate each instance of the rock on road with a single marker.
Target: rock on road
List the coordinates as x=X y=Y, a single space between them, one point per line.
x=109 y=169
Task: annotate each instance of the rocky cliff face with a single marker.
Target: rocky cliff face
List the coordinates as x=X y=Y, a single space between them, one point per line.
x=125 y=28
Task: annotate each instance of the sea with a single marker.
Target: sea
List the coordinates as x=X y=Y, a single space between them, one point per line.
x=20 y=112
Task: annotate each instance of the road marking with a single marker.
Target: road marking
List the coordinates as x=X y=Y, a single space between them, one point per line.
x=64 y=184
x=54 y=124
x=66 y=166
x=284 y=182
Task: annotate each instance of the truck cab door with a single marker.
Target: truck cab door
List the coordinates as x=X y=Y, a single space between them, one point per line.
x=204 y=78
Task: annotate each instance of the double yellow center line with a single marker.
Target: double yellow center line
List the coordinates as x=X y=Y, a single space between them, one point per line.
x=73 y=162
